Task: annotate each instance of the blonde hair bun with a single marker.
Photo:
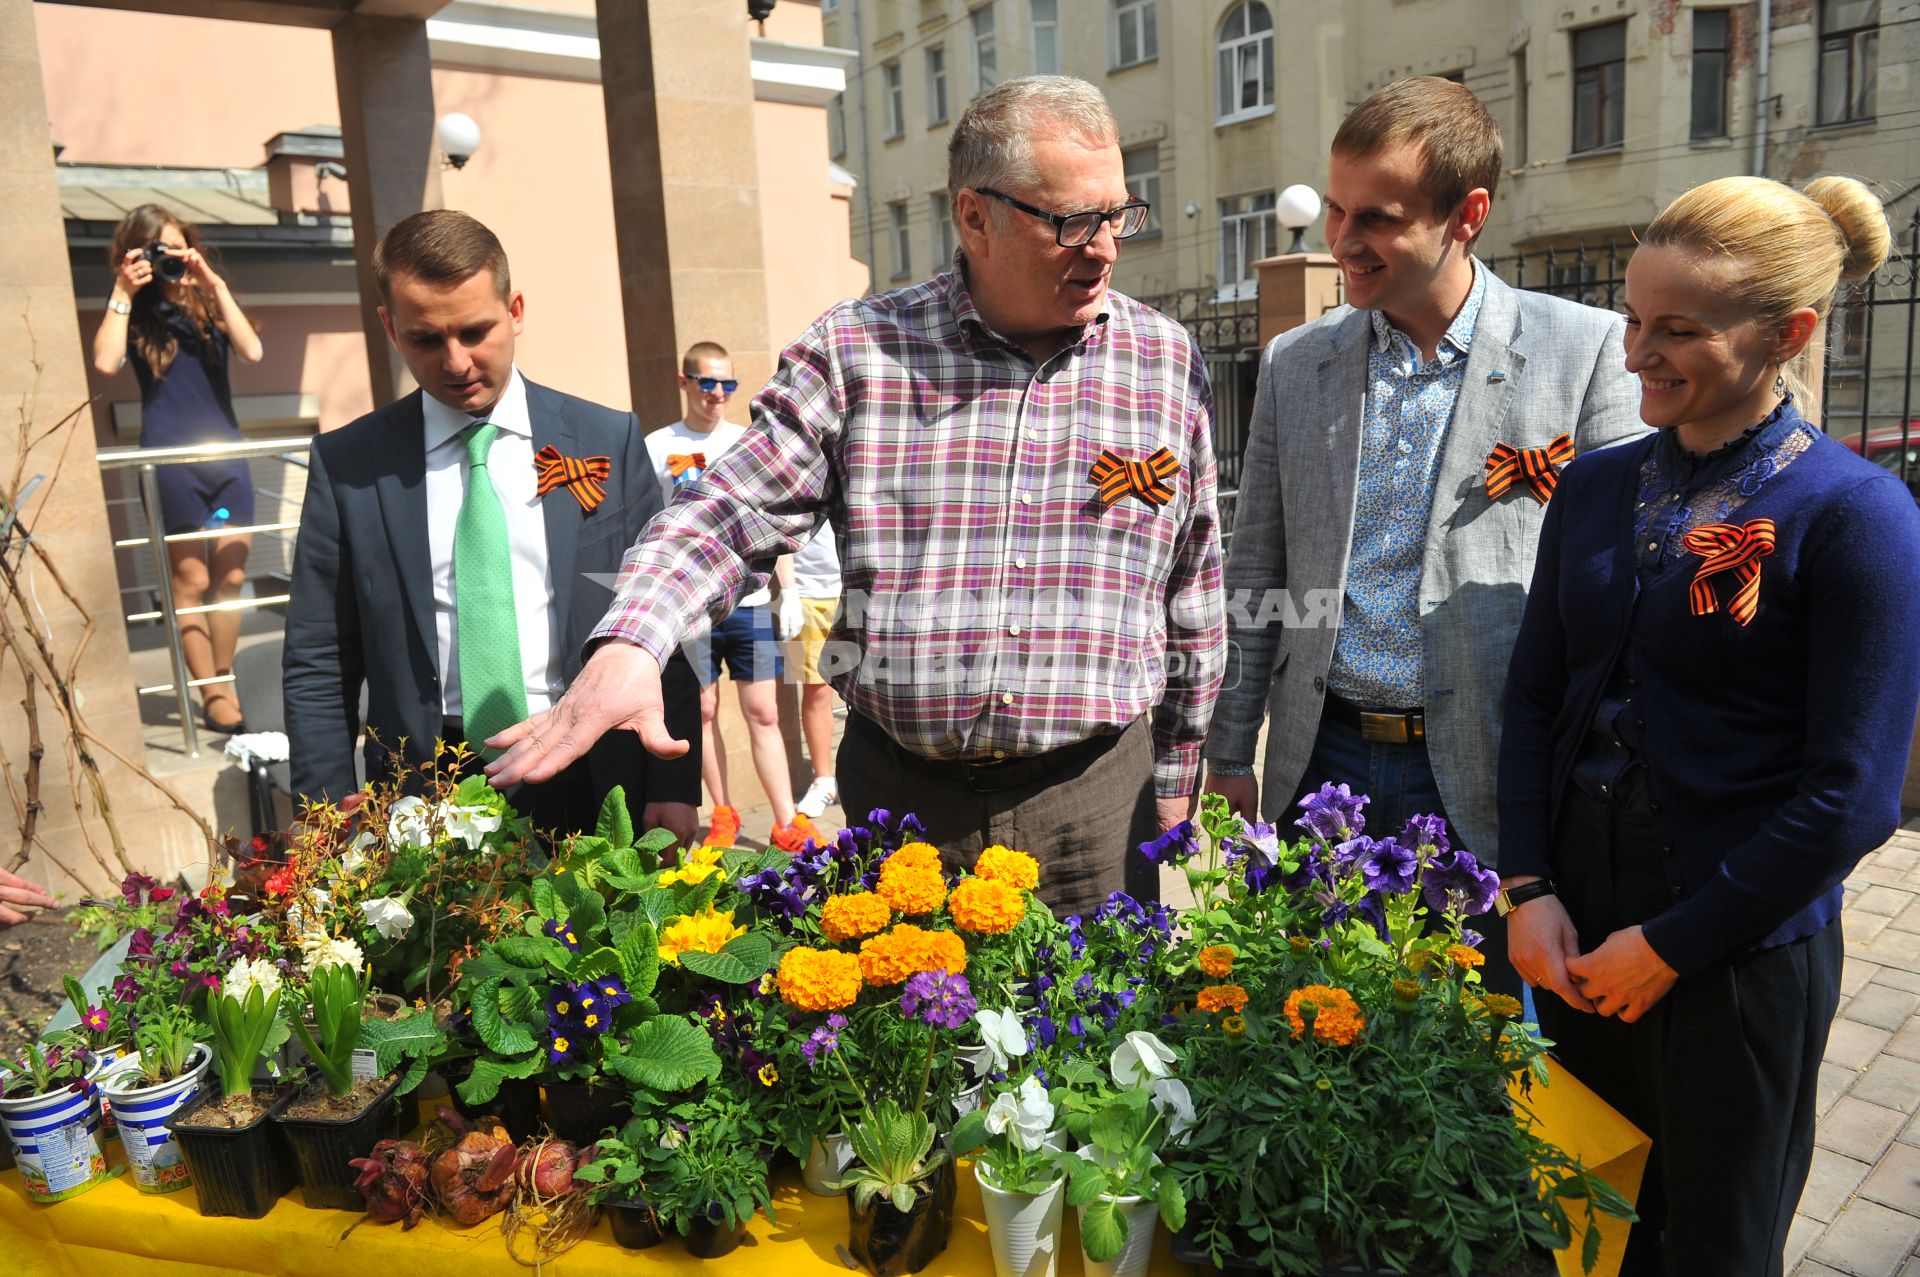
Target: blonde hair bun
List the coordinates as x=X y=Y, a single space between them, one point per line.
x=1861 y=219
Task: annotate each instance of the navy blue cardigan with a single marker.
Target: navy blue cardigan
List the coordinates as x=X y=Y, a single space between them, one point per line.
x=1776 y=750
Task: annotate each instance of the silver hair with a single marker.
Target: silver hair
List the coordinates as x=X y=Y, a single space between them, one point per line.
x=992 y=145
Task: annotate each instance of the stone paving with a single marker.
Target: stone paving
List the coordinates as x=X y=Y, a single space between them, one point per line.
x=1860 y=1213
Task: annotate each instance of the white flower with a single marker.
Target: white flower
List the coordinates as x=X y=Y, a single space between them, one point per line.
x=325 y=951
x=1002 y=1113
x=247 y=975
x=387 y=915
x=1171 y=1097
x=303 y=912
x=410 y=823
x=1034 y=1120
x=1002 y=1041
x=356 y=853
x=469 y=824
x=1141 y=1057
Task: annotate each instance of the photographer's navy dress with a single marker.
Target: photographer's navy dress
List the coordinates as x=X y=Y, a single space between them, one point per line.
x=193 y=404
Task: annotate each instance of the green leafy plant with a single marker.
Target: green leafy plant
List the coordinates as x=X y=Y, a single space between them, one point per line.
x=336 y=999
x=59 y=1059
x=245 y=1018
x=1121 y=1129
x=700 y=1156
x=164 y=1040
x=894 y=1156
x=1011 y=1135
x=616 y=1171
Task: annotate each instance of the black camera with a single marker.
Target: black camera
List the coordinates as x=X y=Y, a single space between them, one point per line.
x=167 y=268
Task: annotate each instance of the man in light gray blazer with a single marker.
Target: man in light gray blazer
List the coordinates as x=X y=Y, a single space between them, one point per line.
x=1397 y=469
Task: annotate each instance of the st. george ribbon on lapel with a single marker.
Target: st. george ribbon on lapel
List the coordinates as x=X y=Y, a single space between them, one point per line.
x=584 y=477
x=1117 y=478
x=1540 y=467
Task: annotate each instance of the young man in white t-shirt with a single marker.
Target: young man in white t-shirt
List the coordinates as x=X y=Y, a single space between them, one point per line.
x=747 y=642
x=816 y=576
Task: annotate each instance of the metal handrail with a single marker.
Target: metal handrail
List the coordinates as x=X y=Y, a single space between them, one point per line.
x=148 y=461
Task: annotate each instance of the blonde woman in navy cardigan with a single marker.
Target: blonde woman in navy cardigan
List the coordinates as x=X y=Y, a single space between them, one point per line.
x=1707 y=722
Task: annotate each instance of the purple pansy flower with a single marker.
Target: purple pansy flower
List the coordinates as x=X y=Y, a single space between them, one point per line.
x=1175 y=847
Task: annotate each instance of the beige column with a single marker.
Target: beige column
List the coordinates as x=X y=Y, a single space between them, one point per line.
x=678 y=84
x=1295 y=289
x=42 y=373
x=384 y=77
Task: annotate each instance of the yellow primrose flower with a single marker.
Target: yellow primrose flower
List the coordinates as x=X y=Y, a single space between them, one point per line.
x=707 y=931
x=696 y=865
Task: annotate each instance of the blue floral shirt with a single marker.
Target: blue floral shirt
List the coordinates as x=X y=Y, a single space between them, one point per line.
x=1377 y=658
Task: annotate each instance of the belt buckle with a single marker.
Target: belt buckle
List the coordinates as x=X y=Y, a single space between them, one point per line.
x=1384 y=729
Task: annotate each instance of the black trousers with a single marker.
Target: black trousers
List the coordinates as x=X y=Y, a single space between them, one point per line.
x=1721 y=1073
x=1083 y=821
x=567 y=804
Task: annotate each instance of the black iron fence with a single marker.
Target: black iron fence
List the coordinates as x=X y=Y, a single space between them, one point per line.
x=1228 y=334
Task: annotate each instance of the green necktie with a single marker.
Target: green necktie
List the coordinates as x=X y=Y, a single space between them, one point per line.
x=493 y=691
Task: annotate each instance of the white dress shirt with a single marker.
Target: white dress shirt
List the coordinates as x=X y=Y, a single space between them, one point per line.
x=510 y=461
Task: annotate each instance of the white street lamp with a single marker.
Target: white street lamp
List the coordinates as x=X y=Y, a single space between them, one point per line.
x=1296 y=210
x=458 y=136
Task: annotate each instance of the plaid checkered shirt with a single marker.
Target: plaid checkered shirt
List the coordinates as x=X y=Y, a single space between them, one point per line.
x=993 y=607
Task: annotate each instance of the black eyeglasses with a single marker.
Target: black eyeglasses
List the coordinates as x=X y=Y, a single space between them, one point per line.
x=1076 y=230
x=708 y=384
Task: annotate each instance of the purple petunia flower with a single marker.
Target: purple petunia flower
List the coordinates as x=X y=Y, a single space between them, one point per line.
x=940 y=998
x=1332 y=814
x=1457 y=880
x=140 y=943
x=1389 y=867
x=125 y=988
x=135 y=887
x=1175 y=847
x=1426 y=831
x=1351 y=852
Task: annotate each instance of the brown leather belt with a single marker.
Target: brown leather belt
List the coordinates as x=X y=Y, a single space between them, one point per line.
x=1379 y=726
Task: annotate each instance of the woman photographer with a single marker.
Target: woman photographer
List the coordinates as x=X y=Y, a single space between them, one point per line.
x=1707 y=720
x=175 y=319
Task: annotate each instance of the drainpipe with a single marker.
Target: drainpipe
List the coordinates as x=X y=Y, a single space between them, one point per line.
x=1763 y=88
x=866 y=160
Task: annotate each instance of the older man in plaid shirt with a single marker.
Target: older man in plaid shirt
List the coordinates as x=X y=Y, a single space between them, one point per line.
x=1019 y=465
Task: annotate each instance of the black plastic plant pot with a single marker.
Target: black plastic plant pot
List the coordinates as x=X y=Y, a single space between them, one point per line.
x=889 y=1242
x=636 y=1225
x=581 y=1113
x=516 y=1104
x=323 y=1148
x=240 y=1171
x=709 y=1236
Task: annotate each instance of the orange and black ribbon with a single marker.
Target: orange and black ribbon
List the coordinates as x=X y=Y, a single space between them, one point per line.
x=584 y=477
x=1117 y=479
x=1729 y=547
x=1540 y=467
x=681 y=462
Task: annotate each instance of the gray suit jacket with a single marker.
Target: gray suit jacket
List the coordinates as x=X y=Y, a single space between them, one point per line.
x=1539 y=367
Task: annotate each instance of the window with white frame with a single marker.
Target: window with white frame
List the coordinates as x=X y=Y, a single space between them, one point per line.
x=902 y=246
x=893 y=92
x=1046 y=36
x=837 y=126
x=986 y=57
x=1133 y=35
x=1247 y=234
x=940 y=210
x=1849 y=59
x=936 y=86
x=1143 y=181
x=1245 y=63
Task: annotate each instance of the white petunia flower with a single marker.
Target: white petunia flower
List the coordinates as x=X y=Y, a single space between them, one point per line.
x=1002 y=1041
x=1141 y=1057
x=248 y=975
x=410 y=823
x=1171 y=1097
x=325 y=951
x=356 y=853
x=387 y=915
x=469 y=824
x=1033 y=1118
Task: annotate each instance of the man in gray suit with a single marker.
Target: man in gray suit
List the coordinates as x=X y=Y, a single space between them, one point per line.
x=457 y=547
x=1401 y=454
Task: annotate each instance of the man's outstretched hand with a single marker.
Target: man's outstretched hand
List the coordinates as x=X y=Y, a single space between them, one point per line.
x=619 y=687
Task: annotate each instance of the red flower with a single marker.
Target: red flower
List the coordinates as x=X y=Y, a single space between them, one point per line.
x=159 y=894
x=280 y=882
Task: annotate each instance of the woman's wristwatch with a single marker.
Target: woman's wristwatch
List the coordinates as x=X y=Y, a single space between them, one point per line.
x=119 y=307
x=1511 y=898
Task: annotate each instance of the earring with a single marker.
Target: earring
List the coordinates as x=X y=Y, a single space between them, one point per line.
x=1780 y=384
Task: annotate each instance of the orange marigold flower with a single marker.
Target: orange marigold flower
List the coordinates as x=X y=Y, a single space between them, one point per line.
x=1233 y=1026
x=908 y=950
x=1503 y=1006
x=1003 y=864
x=912 y=888
x=818 y=979
x=1222 y=997
x=986 y=906
x=1337 y=1020
x=921 y=854
x=1299 y=945
x=1466 y=957
x=850 y=917
x=1216 y=960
